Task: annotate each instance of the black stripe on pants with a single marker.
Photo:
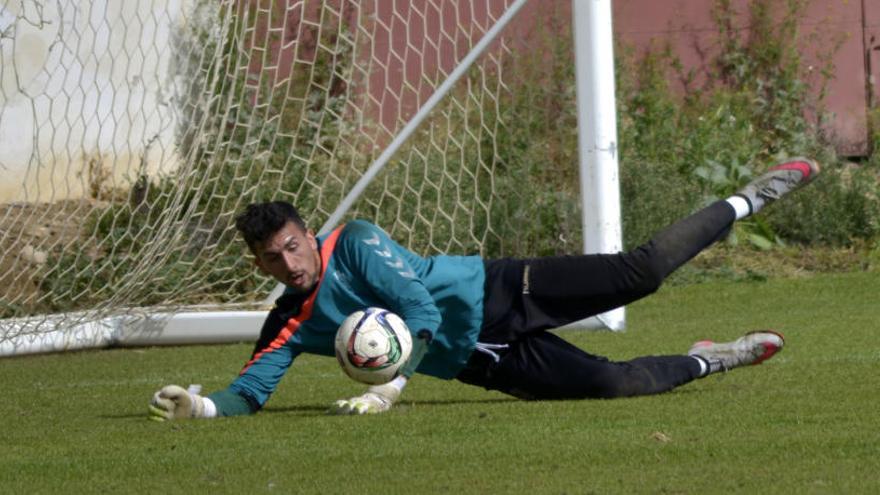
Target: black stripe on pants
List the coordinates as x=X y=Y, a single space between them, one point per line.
x=524 y=297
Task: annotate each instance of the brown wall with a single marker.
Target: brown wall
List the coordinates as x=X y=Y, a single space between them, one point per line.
x=403 y=57
x=412 y=42
x=688 y=26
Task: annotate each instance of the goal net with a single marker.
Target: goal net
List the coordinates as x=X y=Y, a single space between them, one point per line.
x=133 y=133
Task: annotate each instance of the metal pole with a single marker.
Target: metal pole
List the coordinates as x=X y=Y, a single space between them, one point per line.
x=597 y=133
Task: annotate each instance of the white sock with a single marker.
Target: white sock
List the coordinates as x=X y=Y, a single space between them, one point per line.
x=740 y=205
x=398 y=383
x=704 y=366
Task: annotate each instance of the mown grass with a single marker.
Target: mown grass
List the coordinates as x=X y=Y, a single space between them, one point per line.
x=805 y=422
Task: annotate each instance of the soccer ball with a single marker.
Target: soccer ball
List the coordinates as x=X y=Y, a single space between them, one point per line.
x=373 y=345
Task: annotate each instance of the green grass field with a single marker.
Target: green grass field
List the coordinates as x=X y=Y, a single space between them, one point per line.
x=805 y=422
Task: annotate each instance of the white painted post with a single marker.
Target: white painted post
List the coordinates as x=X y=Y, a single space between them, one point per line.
x=597 y=134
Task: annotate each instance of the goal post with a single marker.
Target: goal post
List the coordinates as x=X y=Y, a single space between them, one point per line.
x=597 y=135
x=152 y=124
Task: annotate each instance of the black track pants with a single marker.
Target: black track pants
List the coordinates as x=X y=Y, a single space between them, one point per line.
x=524 y=297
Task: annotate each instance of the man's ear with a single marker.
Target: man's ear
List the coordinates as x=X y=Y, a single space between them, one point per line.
x=260 y=267
x=257 y=262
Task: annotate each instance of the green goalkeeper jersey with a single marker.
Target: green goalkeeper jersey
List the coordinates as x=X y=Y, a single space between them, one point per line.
x=363 y=267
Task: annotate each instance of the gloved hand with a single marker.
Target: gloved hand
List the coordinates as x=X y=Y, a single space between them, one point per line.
x=379 y=398
x=173 y=402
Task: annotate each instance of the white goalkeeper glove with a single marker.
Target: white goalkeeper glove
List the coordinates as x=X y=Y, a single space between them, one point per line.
x=379 y=398
x=173 y=402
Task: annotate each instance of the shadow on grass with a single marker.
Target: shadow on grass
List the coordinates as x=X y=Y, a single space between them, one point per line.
x=315 y=410
x=321 y=410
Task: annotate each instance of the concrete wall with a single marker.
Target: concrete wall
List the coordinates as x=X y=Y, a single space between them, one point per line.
x=82 y=82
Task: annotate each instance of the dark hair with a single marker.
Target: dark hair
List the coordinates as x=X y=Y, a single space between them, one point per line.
x=259 y=221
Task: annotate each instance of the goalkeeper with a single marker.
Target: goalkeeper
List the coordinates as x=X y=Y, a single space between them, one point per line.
x=482 y=322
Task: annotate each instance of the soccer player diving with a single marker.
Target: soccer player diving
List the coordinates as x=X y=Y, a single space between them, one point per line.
x=481 y=322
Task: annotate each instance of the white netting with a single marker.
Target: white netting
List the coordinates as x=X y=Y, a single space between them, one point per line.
x=133 y=132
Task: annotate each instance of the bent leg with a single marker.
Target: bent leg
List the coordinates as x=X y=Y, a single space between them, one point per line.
x=526 y=295
x=627 y=276
x=544 y=366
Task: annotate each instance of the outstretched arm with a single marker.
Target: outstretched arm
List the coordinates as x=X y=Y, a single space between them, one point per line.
x=269 y=362
x=173 y=402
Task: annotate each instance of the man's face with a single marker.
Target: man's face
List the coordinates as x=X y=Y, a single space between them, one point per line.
x=291 y=256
